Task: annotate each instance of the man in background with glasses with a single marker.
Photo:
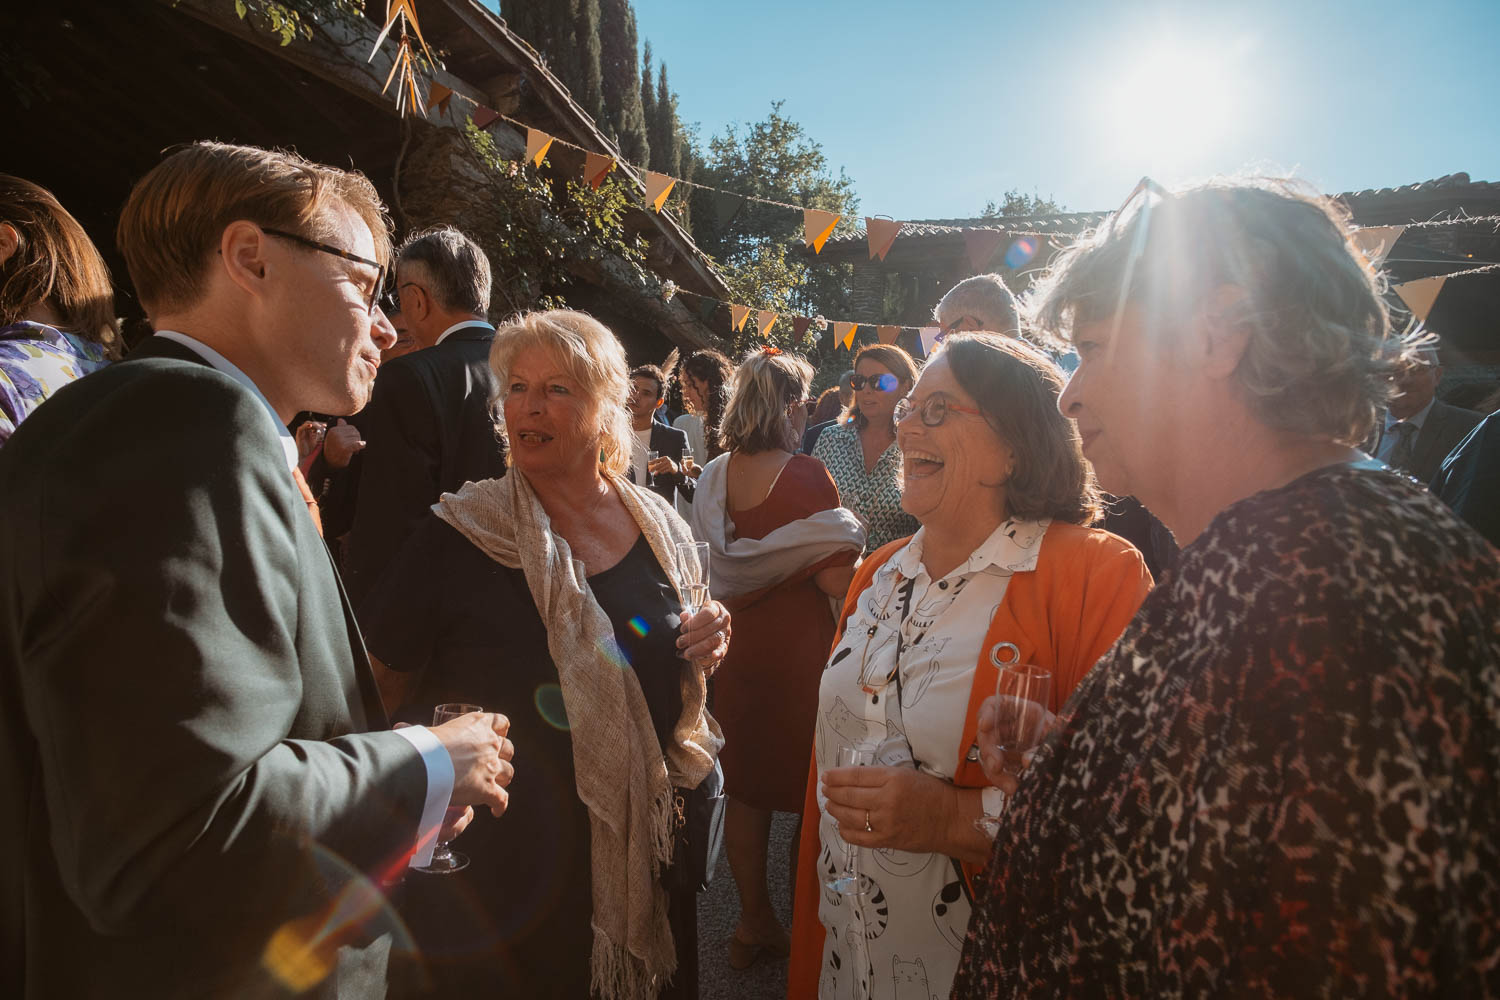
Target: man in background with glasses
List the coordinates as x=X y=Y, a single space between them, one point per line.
x=1419 y=430
x=199 y=796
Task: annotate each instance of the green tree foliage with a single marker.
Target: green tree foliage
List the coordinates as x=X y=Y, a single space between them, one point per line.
x=648 y=104
x=1013 y=204
x=621 y=84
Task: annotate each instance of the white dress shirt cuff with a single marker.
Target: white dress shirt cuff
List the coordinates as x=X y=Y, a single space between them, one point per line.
x=439 y=790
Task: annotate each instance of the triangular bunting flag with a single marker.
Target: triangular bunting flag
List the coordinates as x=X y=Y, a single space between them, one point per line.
x=439 y=96
x=726 y=207
x=484 y=116
x=764 y=320
x=843 y=333
x=817 y=226
x=737 y=316
x=881 y=233
x=537 y=144
x=800 y=325
x=658 y=186
x=1420 y=295
x=394 y=10
x=982 y=244
x=596 y=166
x=929 y=336
x=887 y=334
x=1376 y=241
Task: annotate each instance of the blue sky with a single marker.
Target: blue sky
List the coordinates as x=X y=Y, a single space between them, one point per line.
x=935 y=107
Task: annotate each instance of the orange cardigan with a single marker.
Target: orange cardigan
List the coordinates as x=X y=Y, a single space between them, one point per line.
x=1064 y=615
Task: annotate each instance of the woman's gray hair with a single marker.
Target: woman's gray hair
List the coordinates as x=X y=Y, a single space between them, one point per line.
x=1319 y=351
x=592 y=357
x=766 y=382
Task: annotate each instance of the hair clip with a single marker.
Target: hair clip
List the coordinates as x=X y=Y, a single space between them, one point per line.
x=770 y=352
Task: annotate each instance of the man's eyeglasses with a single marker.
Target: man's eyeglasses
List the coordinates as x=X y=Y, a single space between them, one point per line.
x=933 y=410
x=880 y=383
x=379 y=295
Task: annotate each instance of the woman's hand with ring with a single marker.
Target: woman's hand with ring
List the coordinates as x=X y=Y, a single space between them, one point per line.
x=705 y=637
x=904 y=808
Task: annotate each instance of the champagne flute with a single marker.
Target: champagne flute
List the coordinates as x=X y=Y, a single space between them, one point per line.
x=850 y=882
x=1022 y=693
x=445 y=860
x=687 y=458
x=692 y=570
x=651 y=456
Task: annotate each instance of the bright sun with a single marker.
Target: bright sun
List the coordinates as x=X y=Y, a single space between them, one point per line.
x=1174 y=104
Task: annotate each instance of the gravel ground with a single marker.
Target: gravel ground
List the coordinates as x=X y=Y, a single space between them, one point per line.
x=719 y=911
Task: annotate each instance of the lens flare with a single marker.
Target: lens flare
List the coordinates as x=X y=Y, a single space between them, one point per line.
x=1021 y=252
x=639 y=627
x=549 y=705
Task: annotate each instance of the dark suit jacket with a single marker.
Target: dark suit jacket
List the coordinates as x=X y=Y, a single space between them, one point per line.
x=429 y=428
x=1444 y=428
x=183 y=695
x=1469 y=479
x=667 y=442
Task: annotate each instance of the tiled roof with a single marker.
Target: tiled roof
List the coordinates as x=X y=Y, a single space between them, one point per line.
x=1072 y=223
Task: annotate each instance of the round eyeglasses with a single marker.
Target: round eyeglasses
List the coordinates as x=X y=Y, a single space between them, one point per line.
x=880 y=383
x=933 y=410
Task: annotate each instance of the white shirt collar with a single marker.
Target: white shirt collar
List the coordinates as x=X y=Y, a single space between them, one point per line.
x=223 y=364
x=1416 y=419
x=461 y=325
x=1011 y=548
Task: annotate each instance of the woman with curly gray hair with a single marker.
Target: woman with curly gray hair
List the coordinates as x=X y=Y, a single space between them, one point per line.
x=1282 y=780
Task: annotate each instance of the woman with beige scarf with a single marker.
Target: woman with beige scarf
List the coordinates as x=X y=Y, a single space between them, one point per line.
x=552 y=594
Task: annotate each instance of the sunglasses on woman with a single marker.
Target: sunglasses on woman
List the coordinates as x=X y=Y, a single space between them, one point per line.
x=880 y=383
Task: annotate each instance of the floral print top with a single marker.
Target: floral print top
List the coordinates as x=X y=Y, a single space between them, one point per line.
x=875 y=497
x=35 y=361
x=1281 y=781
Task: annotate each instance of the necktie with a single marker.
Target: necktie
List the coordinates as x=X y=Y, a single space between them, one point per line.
x=1406 y=434
x=312 y=504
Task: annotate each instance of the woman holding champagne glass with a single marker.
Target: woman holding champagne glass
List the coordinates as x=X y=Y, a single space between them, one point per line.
x=780 y=545
x=1004 y=579
x=556 y=592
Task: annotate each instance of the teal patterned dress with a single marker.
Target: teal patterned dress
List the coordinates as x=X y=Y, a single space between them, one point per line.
x=35 y=361
x=876 y=497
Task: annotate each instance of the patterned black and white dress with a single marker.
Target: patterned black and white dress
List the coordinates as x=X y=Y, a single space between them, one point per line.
x=874 y=496
x=1281 y=781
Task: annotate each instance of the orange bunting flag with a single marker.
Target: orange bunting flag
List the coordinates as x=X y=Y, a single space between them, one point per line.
x=394 y=10
x=1376 y=241
x=881 y=234
x=537 y=144
x=439 y=96
x=817 y=225
x=658 y=186
x=596 y=167
x=737 y=316
x=484 y=116
x=1420 y=295
x=843 y=333
x=764 y=320
x=982 y=244
x=888 y=334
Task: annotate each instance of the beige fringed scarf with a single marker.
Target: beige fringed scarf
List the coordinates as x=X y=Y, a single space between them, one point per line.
x=628 y=794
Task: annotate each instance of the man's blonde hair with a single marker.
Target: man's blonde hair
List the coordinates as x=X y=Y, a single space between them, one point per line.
x=592 y=357
x=174 y=218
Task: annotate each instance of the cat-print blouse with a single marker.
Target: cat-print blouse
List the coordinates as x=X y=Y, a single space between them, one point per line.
x=900 y=680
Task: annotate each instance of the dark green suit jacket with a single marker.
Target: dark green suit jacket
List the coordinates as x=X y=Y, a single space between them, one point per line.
x=185 y=762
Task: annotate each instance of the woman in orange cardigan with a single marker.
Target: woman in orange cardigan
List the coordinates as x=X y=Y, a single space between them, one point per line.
x=996 y=476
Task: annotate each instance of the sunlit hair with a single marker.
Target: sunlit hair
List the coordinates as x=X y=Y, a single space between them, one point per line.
x=716 y=372
x=1319 y=349
x=56 y=264
x=655 y=374
x=591 y=356
x=1016 y=387
x=456 y=269
x=173 y=221
x=984 y=297
x=894 y=360
x=764 y=386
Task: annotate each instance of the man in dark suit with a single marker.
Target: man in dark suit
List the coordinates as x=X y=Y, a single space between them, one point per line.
x=664 y=475
x=430 y=425
x=196 y=795
x=1469 y=478
x=1419 y=430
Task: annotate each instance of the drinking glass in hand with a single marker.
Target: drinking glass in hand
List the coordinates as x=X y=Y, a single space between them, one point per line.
x=445 y=860
x=687 y=458
x=651 y=456
x=1022 y=693
x=692 y=570
x=850 y=882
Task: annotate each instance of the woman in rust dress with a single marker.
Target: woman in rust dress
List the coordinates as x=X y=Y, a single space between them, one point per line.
x=780 y=547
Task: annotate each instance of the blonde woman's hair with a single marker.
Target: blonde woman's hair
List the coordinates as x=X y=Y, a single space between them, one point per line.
x=592 y=357
x=764 y=385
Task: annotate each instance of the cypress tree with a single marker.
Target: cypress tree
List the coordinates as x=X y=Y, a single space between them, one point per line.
x=648 y=108
x=669 y=131
x=621 y=85
x=589 y=92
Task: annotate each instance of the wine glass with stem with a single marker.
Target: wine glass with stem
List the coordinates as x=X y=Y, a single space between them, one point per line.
x=651 y=456
x=692 y=570
x=445 y=860
x=1022 y=693
x=849 y=881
